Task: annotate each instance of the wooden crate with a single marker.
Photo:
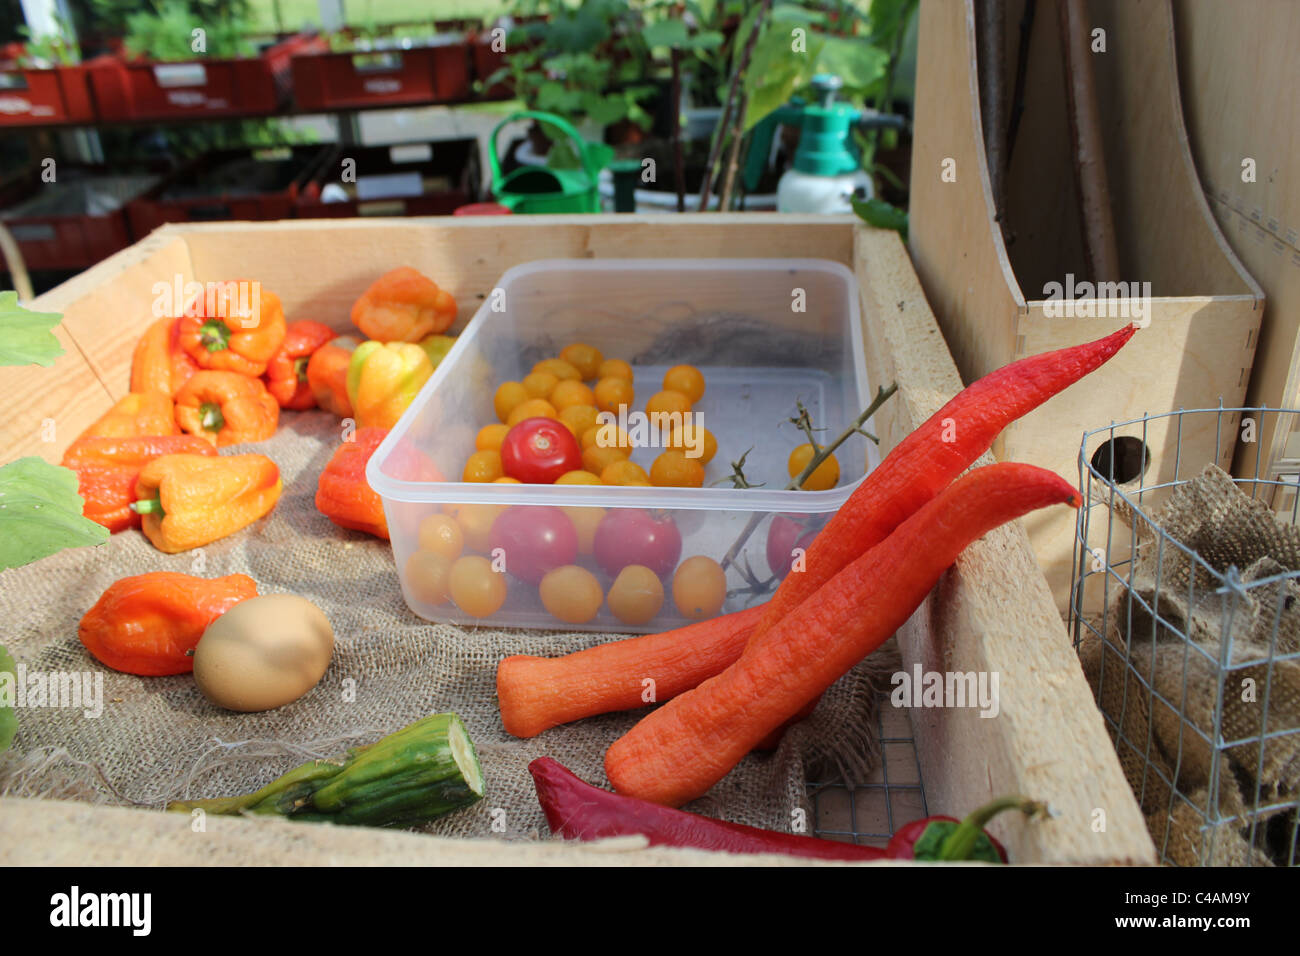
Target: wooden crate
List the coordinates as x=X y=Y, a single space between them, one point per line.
x=1205 y=310
x=1239 y=78
x=991 y=612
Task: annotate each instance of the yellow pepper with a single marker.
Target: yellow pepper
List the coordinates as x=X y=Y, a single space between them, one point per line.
x=383 y=379
x=187 y=501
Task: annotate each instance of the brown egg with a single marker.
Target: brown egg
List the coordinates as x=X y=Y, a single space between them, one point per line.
x=263 y=653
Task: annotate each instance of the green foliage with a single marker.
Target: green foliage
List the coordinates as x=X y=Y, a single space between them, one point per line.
x=165 y=32
x=882 y=215
x=41 y=513
x=54 y=49
x=25 y=336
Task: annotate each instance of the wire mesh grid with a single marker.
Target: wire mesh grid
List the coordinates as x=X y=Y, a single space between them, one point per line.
x=893 y=795
x=1192 y=722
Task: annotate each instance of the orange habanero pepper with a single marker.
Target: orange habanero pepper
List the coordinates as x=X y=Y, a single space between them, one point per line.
x=233 y=342
x=149 y=624
x=342 y=494
x=136 y=414
x=159 y=363
x=403 y=306
x=286 y=373
x=108 y=468
x=327 y=375
x=226 y=408
x=187 y=501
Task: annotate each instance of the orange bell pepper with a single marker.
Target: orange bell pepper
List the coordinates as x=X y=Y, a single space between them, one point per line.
x=149 y=624
x=383 y=380
x=187 y=501
x=136 y=414
x=159 y=363
x=327 y=375
x=108 y=468
x=403 y=306
x=342 y=494
x=286 y=373
x=233 y=342
x=226 y=408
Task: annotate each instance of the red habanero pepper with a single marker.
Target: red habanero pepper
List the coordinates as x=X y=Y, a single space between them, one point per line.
x=342 y=493
x=286 y=373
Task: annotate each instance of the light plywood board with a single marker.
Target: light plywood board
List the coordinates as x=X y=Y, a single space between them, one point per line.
x=1201 y=332
x=1241 y=89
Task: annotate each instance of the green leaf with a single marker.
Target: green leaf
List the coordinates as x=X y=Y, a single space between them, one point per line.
x=776 y=71
x=25 y=336
x=665 y=33
x=8 y=719
x=882 y=215
x=855 y=61
x=40 y=513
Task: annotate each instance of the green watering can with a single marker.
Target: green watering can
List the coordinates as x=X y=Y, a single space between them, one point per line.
x=540 y=189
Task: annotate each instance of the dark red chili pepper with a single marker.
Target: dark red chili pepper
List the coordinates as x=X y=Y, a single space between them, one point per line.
x=576 y=810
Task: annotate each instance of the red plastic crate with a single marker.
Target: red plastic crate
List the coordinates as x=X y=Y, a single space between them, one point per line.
x=74 y=223
x=419 y=74
x=243 y=184
x=411 y=179
x=136 y=90
x=37 y=97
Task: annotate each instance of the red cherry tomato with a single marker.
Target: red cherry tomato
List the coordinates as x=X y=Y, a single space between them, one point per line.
x=539 y=450
x=786 y=533
x=533 y=540
x=633 y=536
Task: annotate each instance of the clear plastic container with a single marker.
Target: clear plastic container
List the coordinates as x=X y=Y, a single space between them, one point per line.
x=767 y=334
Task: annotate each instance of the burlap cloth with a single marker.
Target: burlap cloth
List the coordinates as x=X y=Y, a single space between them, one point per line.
x=160 y=739
x=1169 y=737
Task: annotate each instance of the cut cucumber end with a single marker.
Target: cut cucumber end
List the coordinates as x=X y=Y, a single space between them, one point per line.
x=462 y=751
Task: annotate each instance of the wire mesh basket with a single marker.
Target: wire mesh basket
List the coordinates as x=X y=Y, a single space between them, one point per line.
x=1194 y=660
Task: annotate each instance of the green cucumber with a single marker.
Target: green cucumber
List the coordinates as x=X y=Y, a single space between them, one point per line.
x=409 y=777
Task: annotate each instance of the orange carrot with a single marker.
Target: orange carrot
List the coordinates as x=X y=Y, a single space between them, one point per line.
x=682 y=749
x=537 y=693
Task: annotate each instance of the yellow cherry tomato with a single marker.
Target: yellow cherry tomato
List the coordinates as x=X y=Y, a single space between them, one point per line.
x=482 y=466
x=559 y=368
x=475 y=522
x=672 y=469
x=540 y=384
x=624 y=472
x=427 y=576
x=668 y=403
x=824 y=476
x=571 y=593
x=475 y=587
x=614 y=368
x=686 y=379
x=506 y=480
x=579 y=418
x=508 y=395
x=585 y=522
x=585 y=358
x=696 y=441
x=636 y=595
x=596 y=458
x=569 y=392
x=440 y=534
x=606 y=436
x=490 y=437
x=578 y=477
x=699 y=587
x=532 y=408
x=612 y=393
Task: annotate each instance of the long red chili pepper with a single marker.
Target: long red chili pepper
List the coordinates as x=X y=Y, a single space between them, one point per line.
x=679 y=751
x=926 y=462
x=576 y=810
